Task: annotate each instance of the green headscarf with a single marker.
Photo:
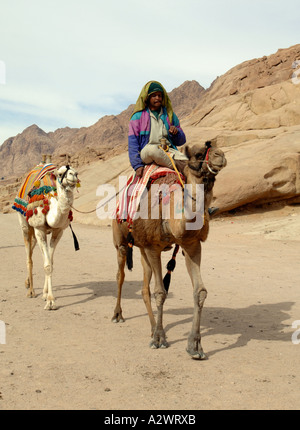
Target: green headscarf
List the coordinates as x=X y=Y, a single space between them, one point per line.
x=149 y=88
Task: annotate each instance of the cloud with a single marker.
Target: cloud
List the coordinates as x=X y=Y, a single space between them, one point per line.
x=70 y=62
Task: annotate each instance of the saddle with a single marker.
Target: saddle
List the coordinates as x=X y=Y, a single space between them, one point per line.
x=39 y=185
x=130 y=197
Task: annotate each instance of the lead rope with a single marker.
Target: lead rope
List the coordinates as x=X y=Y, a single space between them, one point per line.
x=173 y=163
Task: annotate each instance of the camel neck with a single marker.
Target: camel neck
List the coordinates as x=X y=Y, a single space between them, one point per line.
x=65 y=199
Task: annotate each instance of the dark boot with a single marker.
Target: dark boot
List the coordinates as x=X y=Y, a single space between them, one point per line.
x=212 y=211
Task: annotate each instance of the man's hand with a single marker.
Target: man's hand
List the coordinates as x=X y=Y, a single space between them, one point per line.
x=139 y=171
x=173 y=130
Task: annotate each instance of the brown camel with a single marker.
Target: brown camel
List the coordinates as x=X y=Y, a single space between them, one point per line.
x=153 y=236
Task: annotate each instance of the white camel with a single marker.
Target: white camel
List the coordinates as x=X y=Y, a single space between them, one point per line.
x=54 y=222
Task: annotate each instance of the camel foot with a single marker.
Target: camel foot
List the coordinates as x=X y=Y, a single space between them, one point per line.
x=164 y=345
x=197 y=355
x=50 y=305
x=157 y=345
x=194 y=347
x=117 y=320
x=31 y=293
x=118 y=317
x=153 y=345
x=159 y=341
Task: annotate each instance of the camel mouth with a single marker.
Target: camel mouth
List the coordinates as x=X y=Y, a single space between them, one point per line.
x=71 y=183
x=215 y=167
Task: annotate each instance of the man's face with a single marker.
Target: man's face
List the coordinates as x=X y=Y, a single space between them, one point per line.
x=155 y=100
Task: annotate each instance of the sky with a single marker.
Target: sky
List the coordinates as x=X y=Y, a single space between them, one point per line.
x=67 y=63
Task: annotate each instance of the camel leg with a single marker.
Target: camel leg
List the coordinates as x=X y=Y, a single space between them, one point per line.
x=154 y=259
x=29 y=281
x=121 y=256
x=193 y=260
x=146 y=289
x=42 y=241
x=55 y=238
x=29 y=241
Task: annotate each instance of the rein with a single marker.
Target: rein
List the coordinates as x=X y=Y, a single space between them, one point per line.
x=98 y=207
x=93 y=210
x=173 y=163
x=64 y=174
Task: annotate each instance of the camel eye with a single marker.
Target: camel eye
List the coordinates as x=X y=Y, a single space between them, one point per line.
x=199 y=155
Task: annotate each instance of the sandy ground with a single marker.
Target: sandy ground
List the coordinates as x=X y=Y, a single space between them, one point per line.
x=76 y=358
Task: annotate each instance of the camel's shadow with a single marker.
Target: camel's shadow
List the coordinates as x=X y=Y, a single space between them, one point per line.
x=255 y=322
x=98 y=289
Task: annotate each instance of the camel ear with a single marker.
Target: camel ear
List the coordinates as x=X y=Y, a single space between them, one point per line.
x=211 y=143
x=187 y=152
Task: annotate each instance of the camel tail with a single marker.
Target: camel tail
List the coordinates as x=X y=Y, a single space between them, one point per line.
x=170 y=268
x=129 y=257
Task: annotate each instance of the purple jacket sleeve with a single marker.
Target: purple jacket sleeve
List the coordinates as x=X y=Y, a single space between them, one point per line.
x=134 y=145
x=178 y=139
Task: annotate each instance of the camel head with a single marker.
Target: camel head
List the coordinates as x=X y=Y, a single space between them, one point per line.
x=205 y=160
x=67 y=177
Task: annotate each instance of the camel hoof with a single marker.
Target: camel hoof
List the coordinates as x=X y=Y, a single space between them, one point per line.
x=162 y=345
x=197 y=355
x=154 y=345
x=117 y=318
x=50 y=306
x=31 y=294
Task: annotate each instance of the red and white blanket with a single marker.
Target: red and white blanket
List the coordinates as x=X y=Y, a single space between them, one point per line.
x=130 y=196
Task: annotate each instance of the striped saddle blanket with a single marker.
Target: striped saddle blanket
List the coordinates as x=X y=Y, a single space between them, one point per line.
x=131 y=195
x=39 y=183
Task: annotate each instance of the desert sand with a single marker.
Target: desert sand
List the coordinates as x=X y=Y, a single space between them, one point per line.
x=76 y=358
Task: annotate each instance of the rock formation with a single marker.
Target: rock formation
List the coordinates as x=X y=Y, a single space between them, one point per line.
x=253 y=113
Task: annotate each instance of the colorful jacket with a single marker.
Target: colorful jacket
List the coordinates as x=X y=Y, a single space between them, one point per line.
x=139 y=133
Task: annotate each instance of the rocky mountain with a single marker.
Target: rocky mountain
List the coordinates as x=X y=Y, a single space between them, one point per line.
x=252 y=112
x=21 y=152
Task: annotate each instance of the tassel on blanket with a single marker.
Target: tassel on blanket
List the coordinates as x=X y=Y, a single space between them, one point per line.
x=130 y=240
x=170 y=267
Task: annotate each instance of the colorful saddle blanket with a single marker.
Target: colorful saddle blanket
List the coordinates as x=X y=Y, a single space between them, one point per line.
x=39 y=184
x=131 y=195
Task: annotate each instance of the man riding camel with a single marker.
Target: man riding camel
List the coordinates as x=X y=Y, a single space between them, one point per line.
x=153 y=119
